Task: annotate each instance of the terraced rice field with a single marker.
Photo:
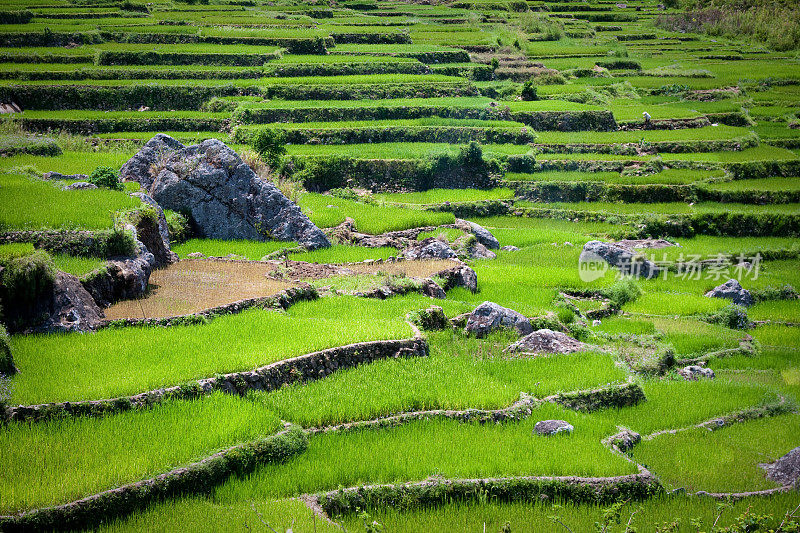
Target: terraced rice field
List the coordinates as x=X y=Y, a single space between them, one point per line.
x=270 y=385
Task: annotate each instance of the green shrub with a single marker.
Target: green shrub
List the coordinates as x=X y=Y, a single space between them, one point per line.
x=269 y=144
x=623 y=291
x=566 y=315
x=178 y=226
x=732 y=316
x=106 y=177
x=25 y=280
x=529 y=91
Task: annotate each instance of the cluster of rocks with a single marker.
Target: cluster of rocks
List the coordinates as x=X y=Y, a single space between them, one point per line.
x=489 y=316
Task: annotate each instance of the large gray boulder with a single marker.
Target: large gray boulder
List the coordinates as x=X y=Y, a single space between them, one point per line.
x=483 y=235
x=618 y=256
x=547 y=341
x=489 y=316
x=223 y=196
x=430 y=248
x=732 y=290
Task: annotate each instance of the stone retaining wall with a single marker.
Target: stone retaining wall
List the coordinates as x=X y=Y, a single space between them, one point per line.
x=511 y=489
x=309 y=367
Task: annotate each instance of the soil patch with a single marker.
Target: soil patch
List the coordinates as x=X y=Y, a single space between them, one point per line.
x=194 y=285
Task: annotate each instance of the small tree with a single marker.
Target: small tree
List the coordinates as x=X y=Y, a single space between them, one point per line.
x=106 y=177
x=269 y=144
x=529 y=91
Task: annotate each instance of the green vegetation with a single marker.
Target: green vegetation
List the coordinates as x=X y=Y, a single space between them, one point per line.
x=29 y=203
x=549 y=124
x=733 y=467
x=327 y=211
x=227 y=344
x=86 y=455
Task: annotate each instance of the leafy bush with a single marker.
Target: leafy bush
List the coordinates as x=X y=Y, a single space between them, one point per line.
x=25 y=280
x=623 y=291
x=732 y=316
x=178 y=226
x=269 y=144
x=529 y=91
x=106 y=177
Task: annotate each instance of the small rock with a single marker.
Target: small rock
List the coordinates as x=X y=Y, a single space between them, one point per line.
x=510 y=248
x=695 y=372
x=431 y=289
x=552 y=427
x=197 y=255
x=625 y=439
x=732 y=290
x=596 y=323
x=483 y=235
x=489 y=316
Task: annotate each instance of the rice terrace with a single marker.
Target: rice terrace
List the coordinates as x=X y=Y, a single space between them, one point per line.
x=373 y=266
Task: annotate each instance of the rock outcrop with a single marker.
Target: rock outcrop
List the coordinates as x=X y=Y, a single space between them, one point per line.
x=785 y=470
x=79 y=186
x=56 y=176
x=69 y=307
x=122 y=278
x=552 y=427
x=155 y=236
x=623 y=258
x=547 y=341
x=222 y=195
x=625 y=440
x=733 y=291
x=489 y=316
